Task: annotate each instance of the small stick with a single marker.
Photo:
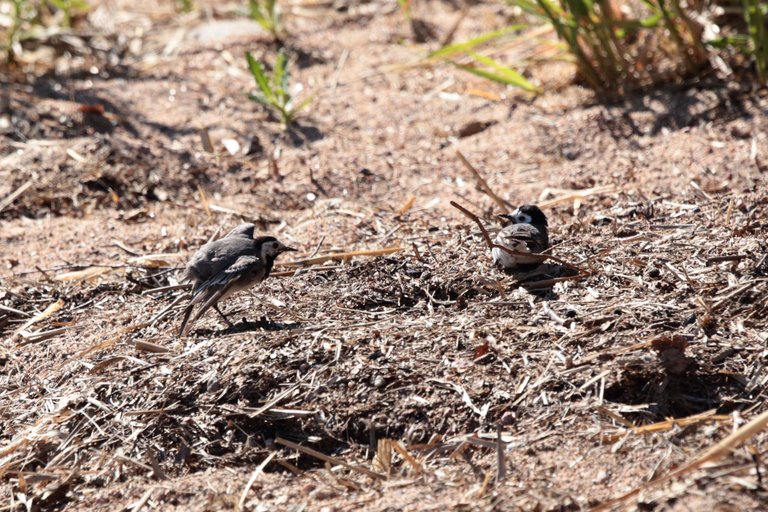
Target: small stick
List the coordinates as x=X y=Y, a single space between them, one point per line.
x=505 y=206
x=720 y=259
x=252 y=480
x=14 y=311
x=169 y=288
x=328 y=458
x=452 y=31
x=121 y=245
x=501 y=463
x=37 y=337
x=53 y=308
x=491 y=245
x=10 y=198
x=287 y=273
x=317 y=248
x=146 y=346
x=410 y=459
x=336 y=72
x=168 y=308
x=342 y=255
x=576 y=194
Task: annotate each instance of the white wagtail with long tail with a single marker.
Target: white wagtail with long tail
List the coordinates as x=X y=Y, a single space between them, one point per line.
x=525 y=230
x=227 y=265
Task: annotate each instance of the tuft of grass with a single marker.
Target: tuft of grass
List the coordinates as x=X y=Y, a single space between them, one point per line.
x=274 y=92
x=69 y=8
x=29 y=18
x=405 y=8
x=755 y=16
x=186 y=5
x=602 y=40
x=483 y=65
x=267 y=14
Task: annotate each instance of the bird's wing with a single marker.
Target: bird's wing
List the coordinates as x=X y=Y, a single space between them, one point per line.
x=236 y=270
x=215 y=257
x=525 y=233
x=211 y=290
x=243 y=230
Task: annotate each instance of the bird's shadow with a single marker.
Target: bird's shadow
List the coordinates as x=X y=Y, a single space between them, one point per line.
x=540 y=279
x=262 y=324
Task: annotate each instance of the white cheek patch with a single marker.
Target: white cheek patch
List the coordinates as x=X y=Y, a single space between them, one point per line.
x=523 y=218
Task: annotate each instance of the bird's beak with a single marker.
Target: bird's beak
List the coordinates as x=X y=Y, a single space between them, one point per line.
x=505 y=216
x=285 y=248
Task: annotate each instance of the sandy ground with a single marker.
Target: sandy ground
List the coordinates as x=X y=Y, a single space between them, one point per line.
x=416 y=374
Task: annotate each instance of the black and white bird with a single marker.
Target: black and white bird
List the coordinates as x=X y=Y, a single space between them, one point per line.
x=525 y=230
x=227 y=265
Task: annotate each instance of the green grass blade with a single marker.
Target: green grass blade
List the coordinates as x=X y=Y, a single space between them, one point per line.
x=259 y=75
x=281 y=79
x=465 y=46
x=505 y=76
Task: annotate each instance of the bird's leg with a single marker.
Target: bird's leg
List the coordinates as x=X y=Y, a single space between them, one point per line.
x=216 y=307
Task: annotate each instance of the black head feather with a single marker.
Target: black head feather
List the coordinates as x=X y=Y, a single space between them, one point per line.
x=526 y=214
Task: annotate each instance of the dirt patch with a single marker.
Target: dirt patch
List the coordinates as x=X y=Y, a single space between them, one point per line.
x=430 y=346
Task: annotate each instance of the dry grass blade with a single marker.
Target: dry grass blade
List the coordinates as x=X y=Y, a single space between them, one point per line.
x=14 y=311
x=276 y=400
x=719 y=450
x=383 y=458
x=10 y=198
x=50 y=310
x=410 y=459
x=252 y=480
x=342 y=256
x=86 y=273
x=146 y=346
x=37 y=337
x=503 y=204
x=155 y=260
x=327 y=458
x=491 y=245
x=138 y=505
x=575 y=195
x=501 y=462
x=112 y=340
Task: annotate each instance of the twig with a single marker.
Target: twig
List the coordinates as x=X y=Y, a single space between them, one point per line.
x=168 y=308
x=252 y=480
x=49 y=311
x=169 y=288
x=491 y=245
x=296 y=271
x=504 y=205
x=448 y=37
x=720 y=259
x=342 y=256
x=327 y=458
x=146 y=346
x=135 y=507
x=575 y=194
x=713 y=453
x=276 y=400
x=14 y=311
x=10 y=198
x=121 y=245
x=410 y=459
x=317 y=248
x=336 y=72
x=501 y=463
x=37 y=337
